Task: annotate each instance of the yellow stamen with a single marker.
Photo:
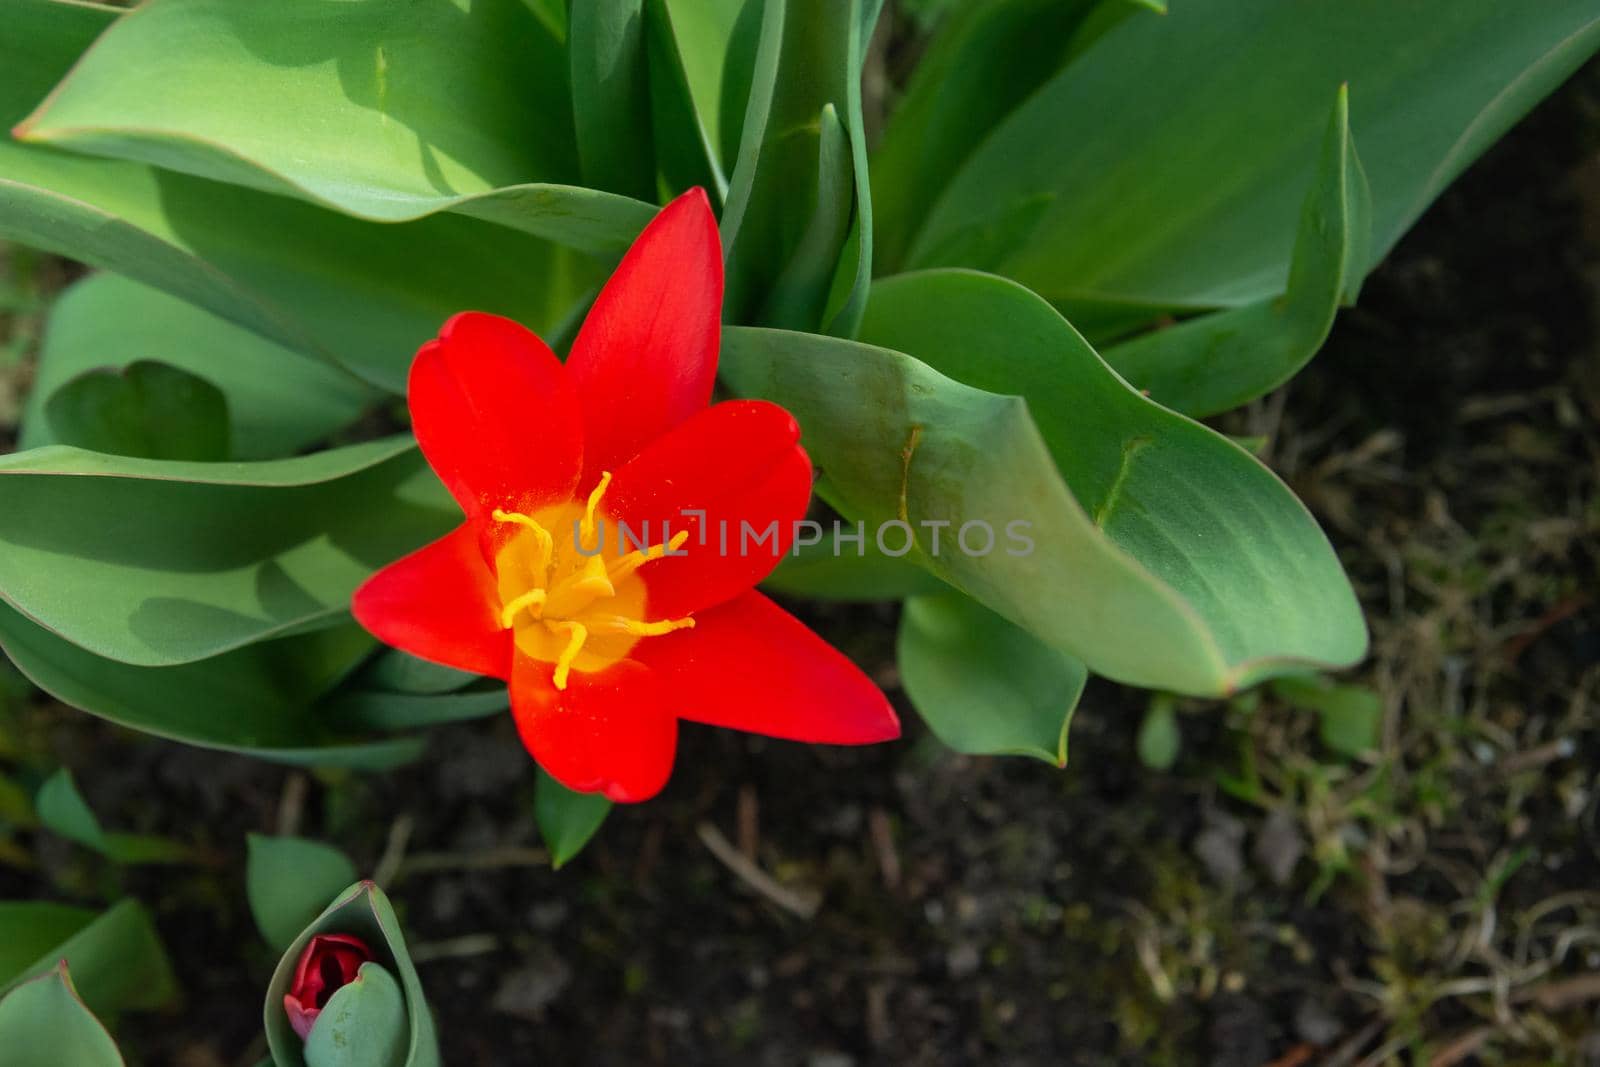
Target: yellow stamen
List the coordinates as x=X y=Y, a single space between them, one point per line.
x=587 y=528
x=546 y=543
x=621 y=624
x=580 y=634
x=556 y=598
x=636 y=559
x=533 y=598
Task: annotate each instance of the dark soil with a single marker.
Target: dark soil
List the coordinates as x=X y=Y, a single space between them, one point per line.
x=1000 y=911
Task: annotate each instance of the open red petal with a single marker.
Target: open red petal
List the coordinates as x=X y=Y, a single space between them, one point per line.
x=749 y=665
x=607 y=732
x=740 y=463
x=496 y=416
x=439 y=603
x=646 y=356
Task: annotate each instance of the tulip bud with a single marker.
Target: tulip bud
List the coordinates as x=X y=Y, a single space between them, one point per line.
x=329 y=962
x=345 y=993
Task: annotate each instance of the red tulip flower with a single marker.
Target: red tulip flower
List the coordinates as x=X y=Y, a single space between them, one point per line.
x=328 y=964
x=600 y=570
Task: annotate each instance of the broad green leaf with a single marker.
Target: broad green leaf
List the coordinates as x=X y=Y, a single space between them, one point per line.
x=703 y=33
x=397 y=671
x=380 y=710
x=801 y=291
x=30 y=929
x=413 y=103
x=278 y=401
x=259 y=700
x=1221 y=360
x=808 y=57
x=606 y=44
x=44 y=1022
x=567 y=819
x=63 y=810
x=983 y=685
x=1351 y=716
x=364 y=911
x=1164 y=167
x=398 y=691
x=147 y=409
x=689 y=42
x=452 y=106
x=984 y=61
x=361 y=295
x=1155 y=551
x=289 y=880
x=1105 y=17
x=363 y=1024
x=1159 y=740
x=156 y=562
x=833 y=568
x=117 y=955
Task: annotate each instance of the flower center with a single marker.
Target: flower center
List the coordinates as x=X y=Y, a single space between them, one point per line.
x=573 y=594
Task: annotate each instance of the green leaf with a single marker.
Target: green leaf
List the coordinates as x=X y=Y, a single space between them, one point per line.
x=361 y=295
x=781 y=263
x=289 y=880
x=1164 y=167
x=63 y=810
x=398 y=671
x=835 y=568
x=117 y=955
x=611 y=96
x=278 y=401
x=984 y=61
x=364 y=911
x=44 y=1022
x=147 y=409
x=380 y=710
x=1219 y=361
x=395 y=690
x=30 y=929
x=156 y=562
x=688 y=43
x=1155 y=551
x=800 y=293
x=1351 y=715
x=567 y=819
x=1159 y=740
x=258 y=700
x=983 y=685
x=710 y=57
x=414 y=104
x=400 y=132
x=362 y=1025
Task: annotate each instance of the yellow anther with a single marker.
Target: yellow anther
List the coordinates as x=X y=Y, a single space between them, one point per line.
x=636 y=559
x=520 y=519
x=533 y=598
x=555 y=597
x=639 y=628
x=587 y=528
x=579 y=634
